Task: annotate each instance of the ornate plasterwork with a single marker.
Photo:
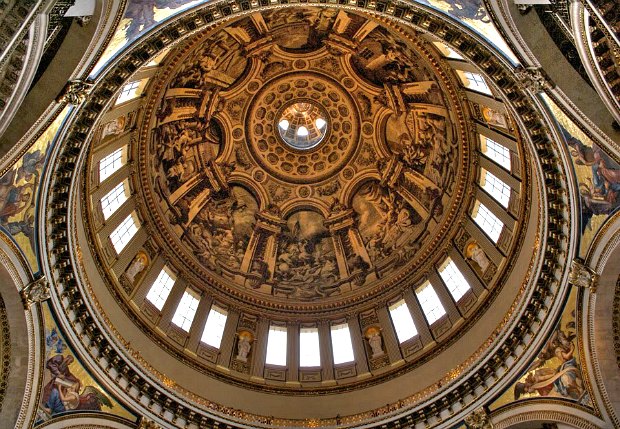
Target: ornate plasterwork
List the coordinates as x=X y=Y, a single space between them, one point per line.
x=35 y=292
x=582 y=276
x=5 y=351
x=546 y=288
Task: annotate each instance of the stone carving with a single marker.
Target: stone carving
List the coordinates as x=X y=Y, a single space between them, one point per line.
x=139 y=263
x=582 y=276
x=244 y=345
x=479 y=419
x=476 y=254
x=37 y=291
x=145 y=423
x=533 y=79
x=375 y=341
x=75 y=92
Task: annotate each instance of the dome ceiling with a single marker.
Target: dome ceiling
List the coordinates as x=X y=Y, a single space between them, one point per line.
x=305 y=161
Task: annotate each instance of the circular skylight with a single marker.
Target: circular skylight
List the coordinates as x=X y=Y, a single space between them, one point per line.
x=302 y=125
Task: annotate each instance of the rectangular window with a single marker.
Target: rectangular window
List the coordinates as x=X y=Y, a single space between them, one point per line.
x=495 y=152
x=124 y=232
x=110 y=163
x=402 y=320
x=447 y=51
x=309 y=351
x=341 y=343
x=185 y=312
x=475 y=82
x=495 y=187
x=454 y=280
x=276 y=345
x=487 y=221
x=214 y=328
x=128 y=92
x=113 y=200
x=159 y=291
x=430 y=303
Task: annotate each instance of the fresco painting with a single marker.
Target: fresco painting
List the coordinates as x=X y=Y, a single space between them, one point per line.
x=598 y=177
x=142 y=15
x=473 y=14
x=67 y=386
x=556 y=372
x=19 y=188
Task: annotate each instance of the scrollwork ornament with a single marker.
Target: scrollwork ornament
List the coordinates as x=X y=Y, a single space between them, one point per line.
x=582 y=275
x=37 y=291
x=147 y=424
x=533 y=79
x=75 y=92
x=479 y=419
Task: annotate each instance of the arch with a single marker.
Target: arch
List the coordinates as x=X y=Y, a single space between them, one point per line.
x=544 y=411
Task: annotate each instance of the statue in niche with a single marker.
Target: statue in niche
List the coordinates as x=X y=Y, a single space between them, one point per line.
x=114 y=127
x=494 y=118
x=476 y=254
x=244 y=345
x=375 y=341
x=139 y=263
x=306 y=265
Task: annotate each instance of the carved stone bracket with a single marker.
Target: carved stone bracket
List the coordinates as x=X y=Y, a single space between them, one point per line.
x=37 y=291
x=582 y=275
x=479 y=419
x=75 y=92
x=533 y=79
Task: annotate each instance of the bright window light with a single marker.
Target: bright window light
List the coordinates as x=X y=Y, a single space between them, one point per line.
x=276 y=346
x=158 y=294
x=495 y=187
x=110 y=163
x=309 y=351
x=302 y=131
x=128 y=92
x=487 y=221
x=402 y=320
x=454 y=280
x=447 y=51
x=184 y=315
x=496 y=152
x=214 y=328
x=341 y=343
x=284 y=124
x=113 y=200
x=476 y=82
x=320 y=123
x=123 y=233
x=430 y=303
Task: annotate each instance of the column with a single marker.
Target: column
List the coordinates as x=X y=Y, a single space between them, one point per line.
x=228 y=337
x=292 y=352
x=260 y=351
x=389 y=336
x=359 y=348
x=198 y=324
x=172 y=303
x=417 y=314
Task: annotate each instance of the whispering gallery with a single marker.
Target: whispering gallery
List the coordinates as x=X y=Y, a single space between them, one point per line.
x=235 y=214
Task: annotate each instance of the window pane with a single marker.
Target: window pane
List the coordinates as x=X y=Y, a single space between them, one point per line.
x=341 y=343
x=214 y=328
x=309 y=352
x=110 y=163
x=496 y=152
x=276 y=346
x=123 y=233
x=113 y=200
x=186 y=310
x=474 y=81
x=158 y=294
x=402 y=320
x=429 y=301
x=487 y=221
x=495 y=187
x=128 y=92
x=454 y=280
